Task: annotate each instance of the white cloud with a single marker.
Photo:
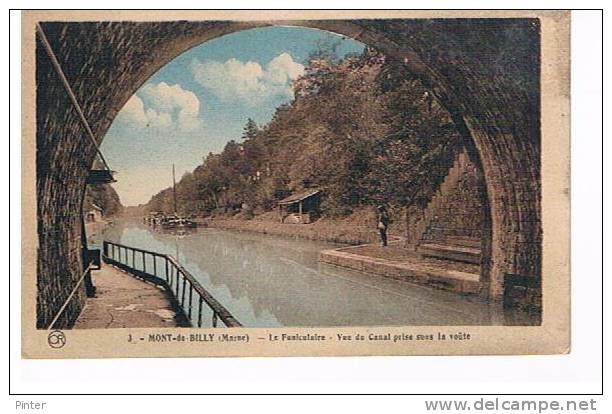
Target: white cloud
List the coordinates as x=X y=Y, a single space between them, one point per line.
x=248 y=82
x=162 y=106
x=136 y=116
x=283 y=69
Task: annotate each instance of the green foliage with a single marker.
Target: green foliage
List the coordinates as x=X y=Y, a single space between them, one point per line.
x=359 y=128
x=103 y=196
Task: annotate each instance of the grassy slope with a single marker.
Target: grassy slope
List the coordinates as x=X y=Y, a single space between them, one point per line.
x=357 y=228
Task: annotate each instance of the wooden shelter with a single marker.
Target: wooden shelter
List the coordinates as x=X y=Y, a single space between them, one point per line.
x=300 y=208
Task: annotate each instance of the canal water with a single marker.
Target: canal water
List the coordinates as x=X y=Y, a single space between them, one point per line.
x=269 y=281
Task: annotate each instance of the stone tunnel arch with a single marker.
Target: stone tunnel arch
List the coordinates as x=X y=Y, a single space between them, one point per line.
x=485 y=72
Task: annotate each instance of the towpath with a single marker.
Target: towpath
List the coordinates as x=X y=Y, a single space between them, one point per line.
x=123 y=301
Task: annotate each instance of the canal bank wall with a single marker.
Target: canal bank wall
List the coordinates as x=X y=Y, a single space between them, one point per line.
x=323 y=230
x=409 y=268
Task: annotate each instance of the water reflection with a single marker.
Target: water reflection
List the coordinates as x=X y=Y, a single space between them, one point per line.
x=267 y=281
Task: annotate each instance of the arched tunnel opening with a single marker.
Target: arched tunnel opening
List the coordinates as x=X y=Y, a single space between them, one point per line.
x=492 y=99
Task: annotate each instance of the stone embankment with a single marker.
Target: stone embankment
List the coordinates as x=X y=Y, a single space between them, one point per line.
x=398 y=262
x=323 y=230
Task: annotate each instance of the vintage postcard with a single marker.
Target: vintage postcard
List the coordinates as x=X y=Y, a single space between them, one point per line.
x=295 y=183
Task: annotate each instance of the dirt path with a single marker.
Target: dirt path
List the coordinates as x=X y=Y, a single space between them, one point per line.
x=122 y=301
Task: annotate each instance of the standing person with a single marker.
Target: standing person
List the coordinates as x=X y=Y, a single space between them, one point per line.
x=383 y=224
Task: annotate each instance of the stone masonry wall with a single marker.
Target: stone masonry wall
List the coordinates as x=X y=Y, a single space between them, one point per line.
x=58 y=162
x=461 y=211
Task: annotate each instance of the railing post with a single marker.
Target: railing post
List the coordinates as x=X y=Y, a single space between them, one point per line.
x=167 y=278
x=190 y=299
x=183 y=291
x=214 y=319
x=155 y=265
x=133 y=259
x=200 y=312
x=144 y=263
x=105 y=248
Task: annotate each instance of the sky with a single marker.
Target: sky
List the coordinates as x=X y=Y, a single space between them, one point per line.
x=202 y=99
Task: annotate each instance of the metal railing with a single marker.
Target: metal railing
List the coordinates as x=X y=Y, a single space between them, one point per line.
x=166 y=271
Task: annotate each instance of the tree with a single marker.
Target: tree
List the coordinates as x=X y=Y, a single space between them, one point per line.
x=250 y=130
x=103 y=196
x=359 y=128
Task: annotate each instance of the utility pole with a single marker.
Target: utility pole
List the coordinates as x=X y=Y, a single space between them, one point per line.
x=174 y=188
